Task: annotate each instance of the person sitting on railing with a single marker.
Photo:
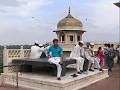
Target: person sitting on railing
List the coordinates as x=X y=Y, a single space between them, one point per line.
x=78 y=55
x=96 y=59
x=88 y=59
x=56 y=57
x=47 y=46
x=43 y=51
x=36 y=51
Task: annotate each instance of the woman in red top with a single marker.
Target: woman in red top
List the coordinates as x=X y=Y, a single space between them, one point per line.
x=100 y=55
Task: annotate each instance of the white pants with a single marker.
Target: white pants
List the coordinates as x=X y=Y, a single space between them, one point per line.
x=56 y=60
x=79 y=63
x=91 y=59
x=96 y=62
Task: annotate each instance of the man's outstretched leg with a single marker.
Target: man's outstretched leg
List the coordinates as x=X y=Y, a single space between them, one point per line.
x=56 y=61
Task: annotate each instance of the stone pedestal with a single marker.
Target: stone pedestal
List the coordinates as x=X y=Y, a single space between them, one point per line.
x=42 y=82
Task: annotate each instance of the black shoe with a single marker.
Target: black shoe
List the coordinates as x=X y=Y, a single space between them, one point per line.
x=91 y=70
x=79 y=72
x=109 y=70
x=58 y=78
x=95 y=68
x=101 y=69
x=61 y=64
x=74 y=75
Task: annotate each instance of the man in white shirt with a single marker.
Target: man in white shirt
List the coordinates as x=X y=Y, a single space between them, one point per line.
x=36 y=51
x=82 y=55
x=96 y=60
x=88 y=58
x=75 y=54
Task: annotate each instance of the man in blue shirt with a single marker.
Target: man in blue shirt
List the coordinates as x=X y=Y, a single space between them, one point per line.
x=56 y=56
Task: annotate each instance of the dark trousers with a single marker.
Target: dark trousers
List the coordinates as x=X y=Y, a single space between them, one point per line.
x=105 y=59
x=110 y=62
x=118 y=60
x=85 y=65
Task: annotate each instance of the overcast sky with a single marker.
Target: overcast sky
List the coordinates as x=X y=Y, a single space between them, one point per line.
x=25 y=21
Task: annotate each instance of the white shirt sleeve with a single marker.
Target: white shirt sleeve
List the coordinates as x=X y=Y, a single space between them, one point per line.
x=41 y=49
x=92 y=52
x=75 y=52
x=83 y=51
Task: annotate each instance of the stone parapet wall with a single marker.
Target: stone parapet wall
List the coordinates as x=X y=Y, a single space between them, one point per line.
x=10 y=54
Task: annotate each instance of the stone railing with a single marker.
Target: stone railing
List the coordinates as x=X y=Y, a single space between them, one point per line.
x=10 y=54
x=103 y=42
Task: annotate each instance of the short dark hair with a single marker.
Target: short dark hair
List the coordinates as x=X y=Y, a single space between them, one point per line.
x=105 y=44
x=55 y=40
x=79 y=43
x=112 y=45
x=99 y=48
x=36 y=44
x=108 y=45
x=88 y=43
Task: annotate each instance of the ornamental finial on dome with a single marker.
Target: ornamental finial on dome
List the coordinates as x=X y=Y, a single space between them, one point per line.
x=69 y=15
x=69 y=10
x=69 y=20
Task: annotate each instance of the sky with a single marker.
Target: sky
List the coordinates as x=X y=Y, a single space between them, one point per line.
x=27 y=21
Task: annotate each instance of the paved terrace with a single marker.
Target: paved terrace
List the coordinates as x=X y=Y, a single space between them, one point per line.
x=111 y=83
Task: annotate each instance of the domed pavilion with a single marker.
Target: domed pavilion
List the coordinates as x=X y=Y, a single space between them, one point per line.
x=69 y=30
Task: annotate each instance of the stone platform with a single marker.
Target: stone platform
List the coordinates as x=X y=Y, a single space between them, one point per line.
x=45 y=81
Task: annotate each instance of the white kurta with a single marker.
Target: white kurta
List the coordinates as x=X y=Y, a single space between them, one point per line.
x=96 y=60
x=36 y=52
x=75 y=54
x=118 y=49
x=46 y=50
x=88 y=55
x=82 y=53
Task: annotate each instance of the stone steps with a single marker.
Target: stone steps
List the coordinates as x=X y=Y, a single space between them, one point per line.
x=42 y=82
